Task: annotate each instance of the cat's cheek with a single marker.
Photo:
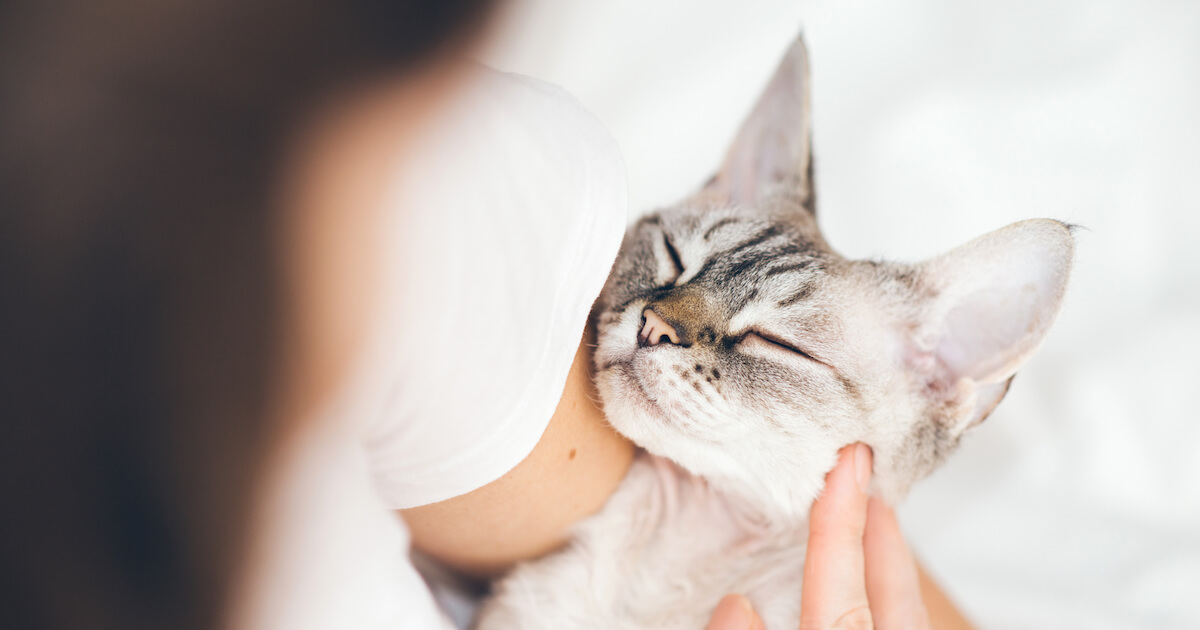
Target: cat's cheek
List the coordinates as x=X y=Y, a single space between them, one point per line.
x=619 y=402
x=627 y=406
x=617 y=336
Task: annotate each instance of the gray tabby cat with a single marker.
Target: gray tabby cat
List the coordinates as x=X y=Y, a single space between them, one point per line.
x=741 y=353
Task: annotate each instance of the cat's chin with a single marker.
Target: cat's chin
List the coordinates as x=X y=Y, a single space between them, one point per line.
x=627 y=405
x=773 y=473
x=781 y=492
x=653 y=419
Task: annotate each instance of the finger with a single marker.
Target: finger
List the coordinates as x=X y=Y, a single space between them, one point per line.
x=735 y=613
x=893 y=586
x=834 y=594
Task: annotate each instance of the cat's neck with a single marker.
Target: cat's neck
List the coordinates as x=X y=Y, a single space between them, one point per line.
x=750 y=511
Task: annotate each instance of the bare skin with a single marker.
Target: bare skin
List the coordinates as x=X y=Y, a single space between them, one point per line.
x=576 y=465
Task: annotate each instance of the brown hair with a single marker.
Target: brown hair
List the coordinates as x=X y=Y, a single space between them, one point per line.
x=138 y=143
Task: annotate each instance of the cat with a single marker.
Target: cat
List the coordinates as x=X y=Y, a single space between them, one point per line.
x=740 y=352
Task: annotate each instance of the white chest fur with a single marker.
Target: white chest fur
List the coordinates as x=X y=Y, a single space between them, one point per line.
x=664 y=550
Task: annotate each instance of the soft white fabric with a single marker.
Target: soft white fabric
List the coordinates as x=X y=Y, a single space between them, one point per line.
x=1077 y=504
x=330 y=553
x=504 y=222
x=513 y=212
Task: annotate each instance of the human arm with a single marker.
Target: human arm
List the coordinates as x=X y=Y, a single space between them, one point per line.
x=575 y=466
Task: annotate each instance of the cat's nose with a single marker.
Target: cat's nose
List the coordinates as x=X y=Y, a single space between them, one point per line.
x=656 y=330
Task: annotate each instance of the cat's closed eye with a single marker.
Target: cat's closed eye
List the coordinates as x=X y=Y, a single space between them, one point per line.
x=776 y=342
x=675 y=260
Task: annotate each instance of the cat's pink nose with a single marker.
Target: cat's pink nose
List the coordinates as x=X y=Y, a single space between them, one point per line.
x=656 y=330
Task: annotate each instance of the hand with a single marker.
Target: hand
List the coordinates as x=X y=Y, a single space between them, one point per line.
x=858 y=572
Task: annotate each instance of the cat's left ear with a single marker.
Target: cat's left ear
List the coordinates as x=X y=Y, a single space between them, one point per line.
x=993 y=301
x=773 y=147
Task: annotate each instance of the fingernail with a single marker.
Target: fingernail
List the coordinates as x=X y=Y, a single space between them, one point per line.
x=734 y=613
x=862 y=466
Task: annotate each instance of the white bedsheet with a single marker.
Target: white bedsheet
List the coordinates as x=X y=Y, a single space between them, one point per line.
x=1077 y=505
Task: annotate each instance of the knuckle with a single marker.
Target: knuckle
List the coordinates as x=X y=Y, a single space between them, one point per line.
x=858 y=618
x=835 y=538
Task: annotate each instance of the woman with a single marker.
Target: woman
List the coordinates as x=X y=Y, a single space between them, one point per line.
x=191 y=305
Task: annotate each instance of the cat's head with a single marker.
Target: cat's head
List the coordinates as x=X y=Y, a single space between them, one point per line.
x=735 y=342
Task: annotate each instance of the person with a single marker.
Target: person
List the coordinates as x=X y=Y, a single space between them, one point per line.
x=207 y=422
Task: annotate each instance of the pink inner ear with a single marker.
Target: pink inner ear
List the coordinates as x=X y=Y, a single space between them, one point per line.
x=999 y=294
x=772 y=145
x=923 y=362
x=988 y=336
x=938 y=381
x=992 y=330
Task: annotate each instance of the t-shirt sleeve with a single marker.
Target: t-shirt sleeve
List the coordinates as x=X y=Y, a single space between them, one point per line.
x=507 y=223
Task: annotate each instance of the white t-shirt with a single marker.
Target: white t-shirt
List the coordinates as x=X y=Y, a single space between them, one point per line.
x=511 y=222
x=506 y=223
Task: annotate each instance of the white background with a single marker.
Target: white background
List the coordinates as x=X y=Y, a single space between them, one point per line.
x=1077 y=504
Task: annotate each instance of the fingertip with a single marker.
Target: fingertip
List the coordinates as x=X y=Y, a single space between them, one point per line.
x=845 y=492
x=734 y=612
x=882 y=522
x=878 y=509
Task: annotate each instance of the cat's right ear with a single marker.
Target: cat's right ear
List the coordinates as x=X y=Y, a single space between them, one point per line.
x=992 y=302
x=774 y=146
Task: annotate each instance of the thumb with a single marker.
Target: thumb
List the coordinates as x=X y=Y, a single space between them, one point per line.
x=735 y=613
